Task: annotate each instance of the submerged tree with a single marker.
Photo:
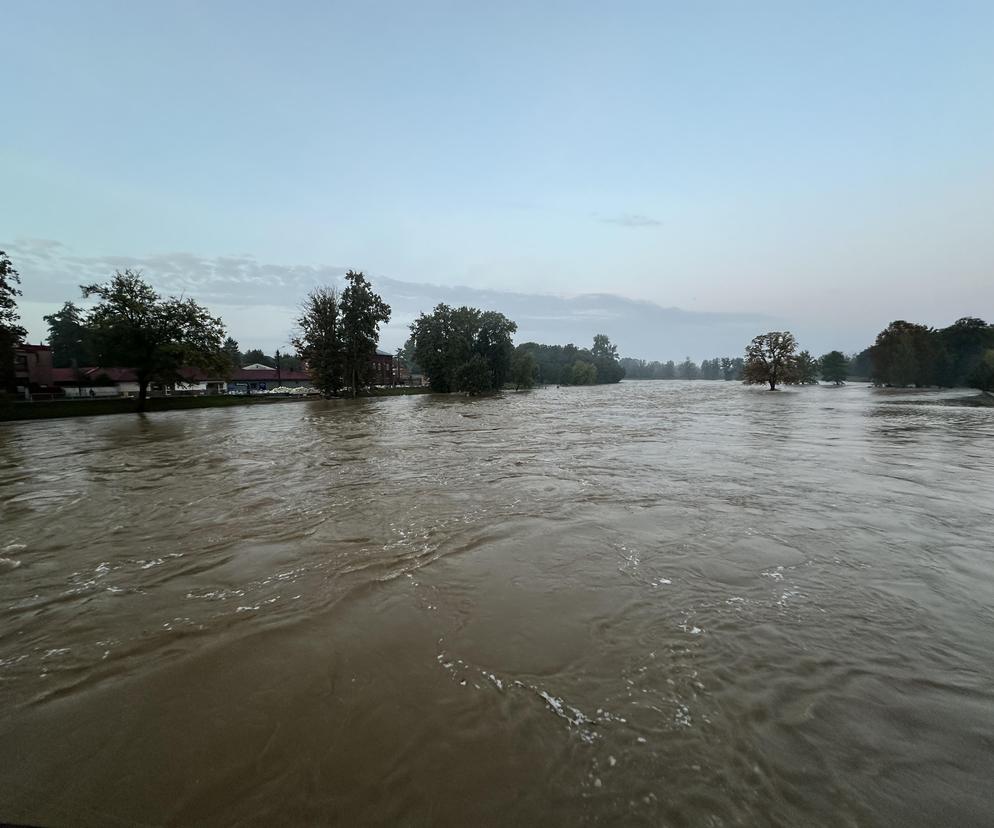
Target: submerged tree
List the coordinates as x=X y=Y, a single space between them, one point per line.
x=806 y=369
x=362 y=312
x=583 y=373
x=11 y=332
x=448 y=339
x=134 y=327
x=834 y=367
x=319 y=343
x=770 y=358
x=524 y=368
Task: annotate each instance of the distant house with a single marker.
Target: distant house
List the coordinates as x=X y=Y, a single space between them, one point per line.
x=123 y=382
x=258 y=378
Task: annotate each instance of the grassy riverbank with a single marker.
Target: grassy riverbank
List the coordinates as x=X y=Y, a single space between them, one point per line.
x=54 y=409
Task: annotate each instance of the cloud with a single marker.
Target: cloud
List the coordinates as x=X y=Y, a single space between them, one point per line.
x=632 y=220
x=259 y=301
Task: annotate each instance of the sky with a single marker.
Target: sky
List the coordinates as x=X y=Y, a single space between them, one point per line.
x=673 y=174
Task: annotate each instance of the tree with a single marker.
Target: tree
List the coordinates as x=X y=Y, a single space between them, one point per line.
x=134 y=327
x=362 y=312
x=904 y=354
x=688 y=369
x=319 y=343
x=230 y=348
x=834 y=367
x=11 y=332
x=448 y=338
x=983 y=374
x=806 y=369
x=474 y=376
x=583 y=373
x=605 y=357
x=770 y=358
x=68 y=337
x=524 y=368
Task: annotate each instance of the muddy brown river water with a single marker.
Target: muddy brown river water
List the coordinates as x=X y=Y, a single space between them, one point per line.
x=652 y=604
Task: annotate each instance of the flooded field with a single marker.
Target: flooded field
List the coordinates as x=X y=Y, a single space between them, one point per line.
x=649 y=604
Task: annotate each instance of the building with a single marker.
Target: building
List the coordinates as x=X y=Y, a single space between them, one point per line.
x=33 y=370
x=255 y=379
x=384 y=369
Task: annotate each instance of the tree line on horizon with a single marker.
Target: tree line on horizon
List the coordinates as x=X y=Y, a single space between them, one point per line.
x=903 y=354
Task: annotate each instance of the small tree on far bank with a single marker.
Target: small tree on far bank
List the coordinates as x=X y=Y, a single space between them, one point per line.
x=319 y=343
x=835 y=367
x=771 y=359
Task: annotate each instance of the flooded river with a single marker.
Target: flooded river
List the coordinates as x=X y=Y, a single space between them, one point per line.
x=651 y=604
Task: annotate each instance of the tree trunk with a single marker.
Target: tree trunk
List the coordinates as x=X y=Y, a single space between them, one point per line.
x=142 y=395
x=773 y=385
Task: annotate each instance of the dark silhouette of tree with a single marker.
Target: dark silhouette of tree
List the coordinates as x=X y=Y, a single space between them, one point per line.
x=904 y=354
x=230 y=348
x=362 y=313
x=446 y=340
x=69 y=338
x=524 y=368
x=11 y=332
x=319 y=343
x=256 y=356
x=982 y=376
x=806 y=369
x=834 y=367
x=134 y=327
x=771 y=358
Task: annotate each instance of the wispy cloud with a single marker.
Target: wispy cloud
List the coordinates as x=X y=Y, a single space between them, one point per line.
x=632 y=220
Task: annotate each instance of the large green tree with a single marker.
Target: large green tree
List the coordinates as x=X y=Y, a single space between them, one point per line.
x=134 y=327
x=319 y=343
x=834 y=367
x=362 y=313
x=447 y=340
x=771 y=359
x=905 y=354
x=11 y=332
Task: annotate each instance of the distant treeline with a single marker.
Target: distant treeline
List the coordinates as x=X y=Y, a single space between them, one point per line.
x=723 y=368
x=570 y=365
x=906 y=354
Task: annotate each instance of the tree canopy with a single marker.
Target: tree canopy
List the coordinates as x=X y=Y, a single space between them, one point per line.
x=362 y=312
x=834 y=367
x=69 y=337
x=319 y=343
x=771 y=358
x=134 y=327
x=11 y=332
x=463 y=349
